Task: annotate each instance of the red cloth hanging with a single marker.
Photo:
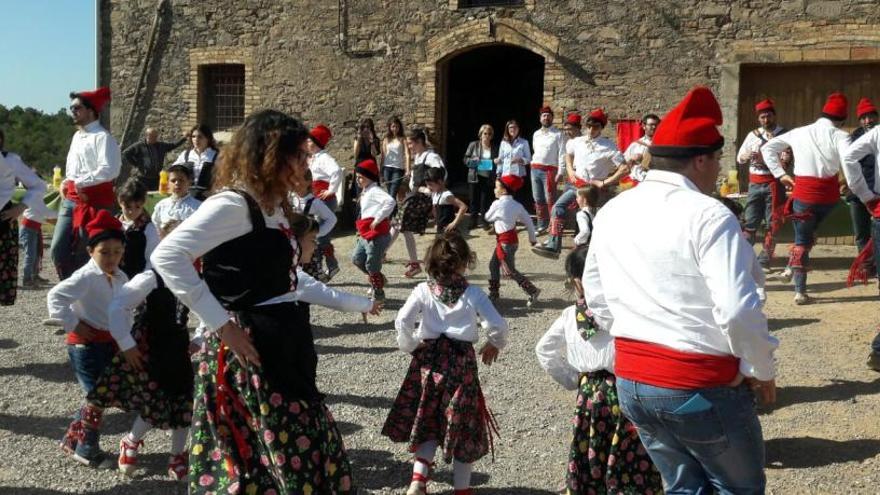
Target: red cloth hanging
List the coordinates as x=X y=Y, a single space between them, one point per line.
x=627 y=132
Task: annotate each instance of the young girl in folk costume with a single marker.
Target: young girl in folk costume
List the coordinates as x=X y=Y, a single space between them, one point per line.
x=152 y=373
x=13 y=169
x=373 y=227
x=259 y=422
x=181 y=204
x=440 y=402
x=449 y=211
x=326 y=177
x=417 y=206
x=505 y=212
x=201 y=158
x=606 y=455
x=30 y=238
x=305 y=203
x=141 y=235
x=81 y=303
x=588 y=203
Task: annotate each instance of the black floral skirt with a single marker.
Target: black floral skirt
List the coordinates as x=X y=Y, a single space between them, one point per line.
x=416 y=212
x=606 y=454
x=441 y=400
x=9 y=260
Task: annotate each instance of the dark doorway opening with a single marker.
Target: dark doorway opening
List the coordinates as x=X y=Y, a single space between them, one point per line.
x=489 y=85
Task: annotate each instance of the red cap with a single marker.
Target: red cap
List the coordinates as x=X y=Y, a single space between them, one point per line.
x=690 y=129
x=765 y=106
x=865 y=106
x=104 y=226
x=573 y=118
x=95 y=99
x=546 y=109
x=835 y=106
x=321 y=135
x=599 y=116
x=512 y=183
x=368 y=169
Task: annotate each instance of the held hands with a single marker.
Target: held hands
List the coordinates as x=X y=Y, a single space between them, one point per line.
x=13 y=213
x=377 y=308
x=239 y=342
x=787 y=181
x=134 y=358
x=489 y=353
x=374 y=224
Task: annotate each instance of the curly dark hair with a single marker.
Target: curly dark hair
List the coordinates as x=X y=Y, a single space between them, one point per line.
x=448 y=254
x=575 y=261
x=301 y=225
x=132 y=191
x=257 y=158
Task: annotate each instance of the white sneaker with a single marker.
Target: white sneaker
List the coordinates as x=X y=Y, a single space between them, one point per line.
x=533 y=299
x=800 y=298
x=785 y=275
x=762 y=294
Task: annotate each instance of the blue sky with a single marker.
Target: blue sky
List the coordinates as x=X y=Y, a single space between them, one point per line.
x=47 y=49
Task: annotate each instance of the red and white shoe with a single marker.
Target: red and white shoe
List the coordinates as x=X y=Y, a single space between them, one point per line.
x=128 y=453
x=418 y=486
x=178 y=466
x=413 y=268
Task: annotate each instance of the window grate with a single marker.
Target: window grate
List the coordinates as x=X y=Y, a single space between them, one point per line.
x=224 y=94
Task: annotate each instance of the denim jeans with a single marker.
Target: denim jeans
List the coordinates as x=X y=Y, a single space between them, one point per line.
x=324 y=243
x=804 y=236
x=861 y=222
x=66 y=256
x=564 y=204
x=392 y=177
x=759 y=207
x=509 y=257
x=88 y=361
x=368 y=255
x=714 y=448
x=29 y=242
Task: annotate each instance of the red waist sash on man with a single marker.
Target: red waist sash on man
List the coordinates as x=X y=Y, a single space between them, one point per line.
x=816 y=190
x=662 y=366
x=319 y=186
x=509 y=237
x=368 y=233
x=97 y=196
x=551 y=170
x=100 y=337
x=27 y=223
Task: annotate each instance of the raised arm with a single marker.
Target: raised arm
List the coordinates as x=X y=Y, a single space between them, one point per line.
x=129 y=297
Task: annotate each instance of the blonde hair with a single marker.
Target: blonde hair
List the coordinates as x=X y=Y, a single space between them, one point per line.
x=483 y=128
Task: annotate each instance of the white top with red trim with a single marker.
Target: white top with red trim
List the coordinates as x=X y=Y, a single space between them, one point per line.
x=505 y=212
x=678 y=274
x=594 y=159
x=325 y=168
x=376 y=203
x=94 y=156
x=85 y=296
x=818 y=150
x=12 y=168
x=752 y=144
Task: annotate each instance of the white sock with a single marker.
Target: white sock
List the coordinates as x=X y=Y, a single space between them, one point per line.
x=461 y=475
x=410 y=240
x=425 y=451
x=178 y=440
x=139 y=430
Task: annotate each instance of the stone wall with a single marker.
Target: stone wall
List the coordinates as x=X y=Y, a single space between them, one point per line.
x=630 y=59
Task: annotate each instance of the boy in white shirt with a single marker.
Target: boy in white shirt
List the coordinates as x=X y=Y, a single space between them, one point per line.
x=373 y=227
x=181 y=204
x=587 y=201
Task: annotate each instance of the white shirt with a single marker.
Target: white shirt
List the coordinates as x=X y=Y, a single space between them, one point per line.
x=124 y=302
x=584 y=220
x=505 y=212
x=376 y=203
x=222 y=217
x=442 y=198
x=677 y=274
x=634 y=153
x=39 y=213
x=818 y=149
x=309 y=290
x=867 y=144
x=326 y=218
x=508 y=151
x=594 y=159
x=94 y=156
x=12 y=168
x=564 y=354
x=429 y=158
x=325 y=168
x=197 y=159
x=85 y=296
x=152 y=235
x=549 y=145
x=172 y=208
x=393 y=154
x=459 y=322
x=752 y=144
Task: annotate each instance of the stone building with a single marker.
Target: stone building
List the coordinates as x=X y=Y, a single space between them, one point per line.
x=454 y=64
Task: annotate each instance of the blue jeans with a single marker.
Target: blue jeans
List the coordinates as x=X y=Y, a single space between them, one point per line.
x=368 y=255
x=861 y=222
x=715 y=448
x=759 y=206
x=804 y=236
x=29 y=242
x=542 y=194
x=392 y=177
x=324 y=249
x=67 y=256
x=88 y=362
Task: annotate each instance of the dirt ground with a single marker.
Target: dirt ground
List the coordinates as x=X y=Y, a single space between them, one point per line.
x=823 y=436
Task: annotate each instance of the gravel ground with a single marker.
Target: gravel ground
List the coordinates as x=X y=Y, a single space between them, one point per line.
x=822 y=436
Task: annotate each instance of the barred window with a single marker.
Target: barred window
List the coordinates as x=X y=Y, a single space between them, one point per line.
x=463 y=4
x=222 y=105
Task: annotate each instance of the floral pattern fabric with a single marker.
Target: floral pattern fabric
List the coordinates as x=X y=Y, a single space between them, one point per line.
x=450 y=293
x=416 y=212
x=606 y=455
x=441 y=400
x=586 y=325
x=8 y=261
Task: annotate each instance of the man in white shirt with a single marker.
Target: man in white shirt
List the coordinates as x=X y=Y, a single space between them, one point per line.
x=636 y=151
x=93 y=162
x=766 y=194
x=548 y=145
x=818 y=149
x=673 y=282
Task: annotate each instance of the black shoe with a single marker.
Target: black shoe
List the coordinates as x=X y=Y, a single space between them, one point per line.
x=545 y=252
x=874 y=361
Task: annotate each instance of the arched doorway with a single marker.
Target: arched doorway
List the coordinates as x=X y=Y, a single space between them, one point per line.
x=488 y=84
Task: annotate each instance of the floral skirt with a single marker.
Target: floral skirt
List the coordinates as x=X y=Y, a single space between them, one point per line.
x=441 y=400
x=606 y=454
x=416 y=212
x=162 y=406
x=9 y=260
x=248 y=438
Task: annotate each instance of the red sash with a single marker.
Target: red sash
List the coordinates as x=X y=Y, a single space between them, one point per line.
x=363 y=228
x=509 y=237
x=661 y=366
x=101 y=337
x=99 y=196
x=858 y=271
x=30 y=224
x=816 y=190
x=546 y=168
x=578 y=182
x=761 y=179
x=319 y=186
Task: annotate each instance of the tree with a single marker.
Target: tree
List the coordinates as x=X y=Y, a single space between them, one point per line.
x=41 y=139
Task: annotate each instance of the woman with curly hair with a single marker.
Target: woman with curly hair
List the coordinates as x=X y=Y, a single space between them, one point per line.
x=260 y=424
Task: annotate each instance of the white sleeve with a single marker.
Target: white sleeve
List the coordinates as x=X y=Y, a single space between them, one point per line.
x=406 y=320
x=312 y=291
x=109 y=161
x=629 y=154
x=560 y=146
x=132 y=294
x=527 y=152
x=726 y=262
x=181 y=158
x=594 y=294
x=744 y=155
x=616 y=157
x=156 y=217
x=583 y=223
x=326 y=218
x=494 y=324
x=387 y=206
x=335 y=174
x=34 y=185
x=63 y=295
x=489 y=216
x=552 y=355
x=865 y=145
x=770 y=152
x=221 y=218
x=526 y=219
x=152 y=235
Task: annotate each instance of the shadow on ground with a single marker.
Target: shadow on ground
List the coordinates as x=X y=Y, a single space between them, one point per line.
x=808 y=452
x=53 y=372
x=837 y=390
x=780 y=323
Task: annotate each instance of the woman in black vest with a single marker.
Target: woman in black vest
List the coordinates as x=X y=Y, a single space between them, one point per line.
x=256 y=396
x=202 y=156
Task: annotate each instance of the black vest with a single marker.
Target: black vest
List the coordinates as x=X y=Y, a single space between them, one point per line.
x=165 y=320
x=445 y=216
x=134 y=260
x=202 y=183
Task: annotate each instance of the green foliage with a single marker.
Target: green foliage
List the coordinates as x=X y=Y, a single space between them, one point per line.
x=41 y=139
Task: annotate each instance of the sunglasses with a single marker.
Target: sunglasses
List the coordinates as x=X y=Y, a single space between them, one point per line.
x=76 y=108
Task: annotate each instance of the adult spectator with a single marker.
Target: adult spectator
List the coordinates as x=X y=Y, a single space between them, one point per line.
x=145 y=158
x=637 y=150
x=479 y=160
x=548 y=144
x=366 y=147
x=861 y=217
x=396 y=161
x=201 y=156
